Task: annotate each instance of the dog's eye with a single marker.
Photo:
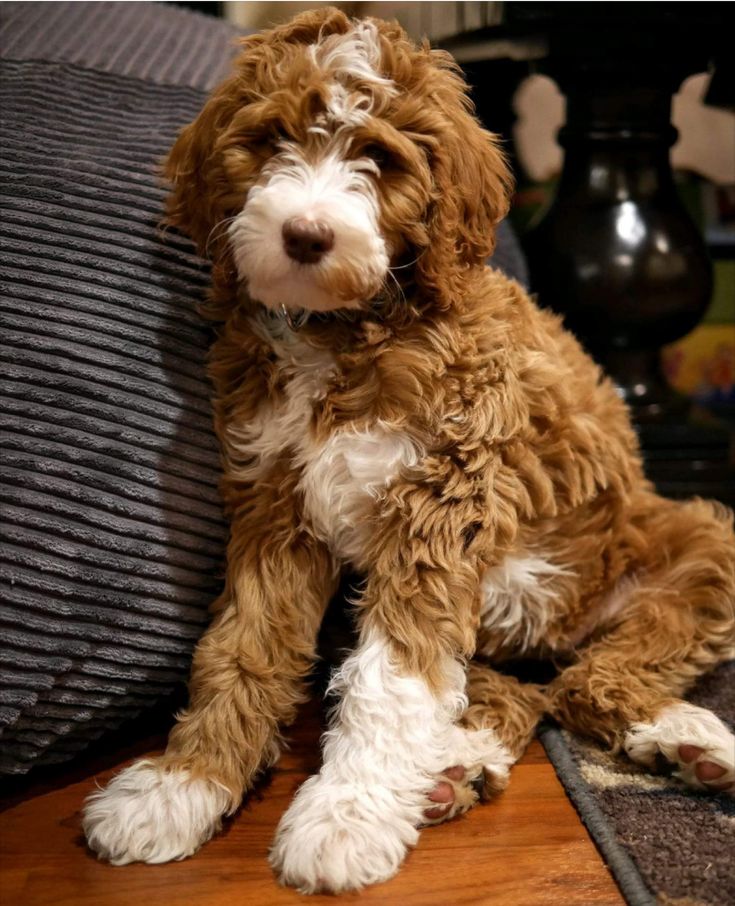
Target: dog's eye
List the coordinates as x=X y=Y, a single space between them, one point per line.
x=278 y=133
x=376 y=153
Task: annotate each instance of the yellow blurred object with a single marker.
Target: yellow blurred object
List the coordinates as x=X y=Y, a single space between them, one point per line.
x=702 y=364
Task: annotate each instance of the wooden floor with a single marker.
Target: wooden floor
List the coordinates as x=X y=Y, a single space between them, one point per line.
x=526 y=848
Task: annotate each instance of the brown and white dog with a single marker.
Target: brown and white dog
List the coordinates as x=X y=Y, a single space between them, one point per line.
x=387 y=403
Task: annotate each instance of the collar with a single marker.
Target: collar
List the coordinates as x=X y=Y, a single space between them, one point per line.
x=294 y=321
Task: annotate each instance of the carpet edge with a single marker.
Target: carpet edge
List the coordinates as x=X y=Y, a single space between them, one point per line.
x=620 y=864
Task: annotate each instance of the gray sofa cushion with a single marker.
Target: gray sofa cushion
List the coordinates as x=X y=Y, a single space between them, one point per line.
x=113 y=537
x=112 y=529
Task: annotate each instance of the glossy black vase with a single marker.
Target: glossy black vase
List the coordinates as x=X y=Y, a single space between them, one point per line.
x=617 y=253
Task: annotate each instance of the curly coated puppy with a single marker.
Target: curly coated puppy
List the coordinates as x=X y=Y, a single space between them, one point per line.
x=387 y=403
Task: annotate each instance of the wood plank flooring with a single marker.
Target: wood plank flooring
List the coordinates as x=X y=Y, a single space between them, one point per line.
x=526 y=848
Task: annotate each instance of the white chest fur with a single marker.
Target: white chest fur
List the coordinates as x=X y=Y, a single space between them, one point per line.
x=341 y=479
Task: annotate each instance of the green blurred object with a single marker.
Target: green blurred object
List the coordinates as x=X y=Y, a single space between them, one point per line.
x=722 y=307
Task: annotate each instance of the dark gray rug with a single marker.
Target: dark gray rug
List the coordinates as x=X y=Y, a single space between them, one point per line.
x=663 y=843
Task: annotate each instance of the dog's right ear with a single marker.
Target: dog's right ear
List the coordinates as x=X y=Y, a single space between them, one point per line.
x=200 y=191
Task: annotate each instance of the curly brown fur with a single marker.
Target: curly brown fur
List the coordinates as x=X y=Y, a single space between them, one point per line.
x=444 y=436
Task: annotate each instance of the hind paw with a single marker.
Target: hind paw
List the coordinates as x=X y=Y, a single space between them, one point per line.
x=692 y=739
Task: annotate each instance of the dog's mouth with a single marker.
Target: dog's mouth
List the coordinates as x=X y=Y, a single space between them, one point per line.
x=313 y=266
x=305 y=288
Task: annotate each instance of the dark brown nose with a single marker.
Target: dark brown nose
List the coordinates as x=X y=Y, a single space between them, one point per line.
x=307 y=241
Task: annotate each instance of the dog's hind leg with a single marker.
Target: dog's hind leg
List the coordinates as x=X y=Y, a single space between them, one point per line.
x=246 y=679
x=510 y=709
x=679 y=622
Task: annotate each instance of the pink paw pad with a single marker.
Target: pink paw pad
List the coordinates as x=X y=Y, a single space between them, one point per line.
x=443 y=793
x=706 y=771
x=695 y=741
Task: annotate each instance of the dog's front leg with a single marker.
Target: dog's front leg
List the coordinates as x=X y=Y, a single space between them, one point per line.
x=395 y=728
x=246 y=679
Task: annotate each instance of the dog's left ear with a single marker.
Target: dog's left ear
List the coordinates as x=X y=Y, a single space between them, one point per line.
x=472 y=181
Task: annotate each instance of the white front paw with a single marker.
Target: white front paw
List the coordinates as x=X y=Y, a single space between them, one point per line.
x=337 y=837
x=149 y=815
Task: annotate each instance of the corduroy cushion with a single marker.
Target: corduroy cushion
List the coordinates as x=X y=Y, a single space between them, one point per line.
x=113 y=535
x=112 y=527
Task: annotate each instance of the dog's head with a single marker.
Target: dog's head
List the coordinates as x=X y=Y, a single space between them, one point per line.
x=336 y=151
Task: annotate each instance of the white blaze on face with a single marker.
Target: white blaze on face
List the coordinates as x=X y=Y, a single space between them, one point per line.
x=354 y=55
x=324 y=187
x=336 y=192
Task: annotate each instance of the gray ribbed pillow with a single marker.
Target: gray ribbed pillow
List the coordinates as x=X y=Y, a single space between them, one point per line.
x=112 y=529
